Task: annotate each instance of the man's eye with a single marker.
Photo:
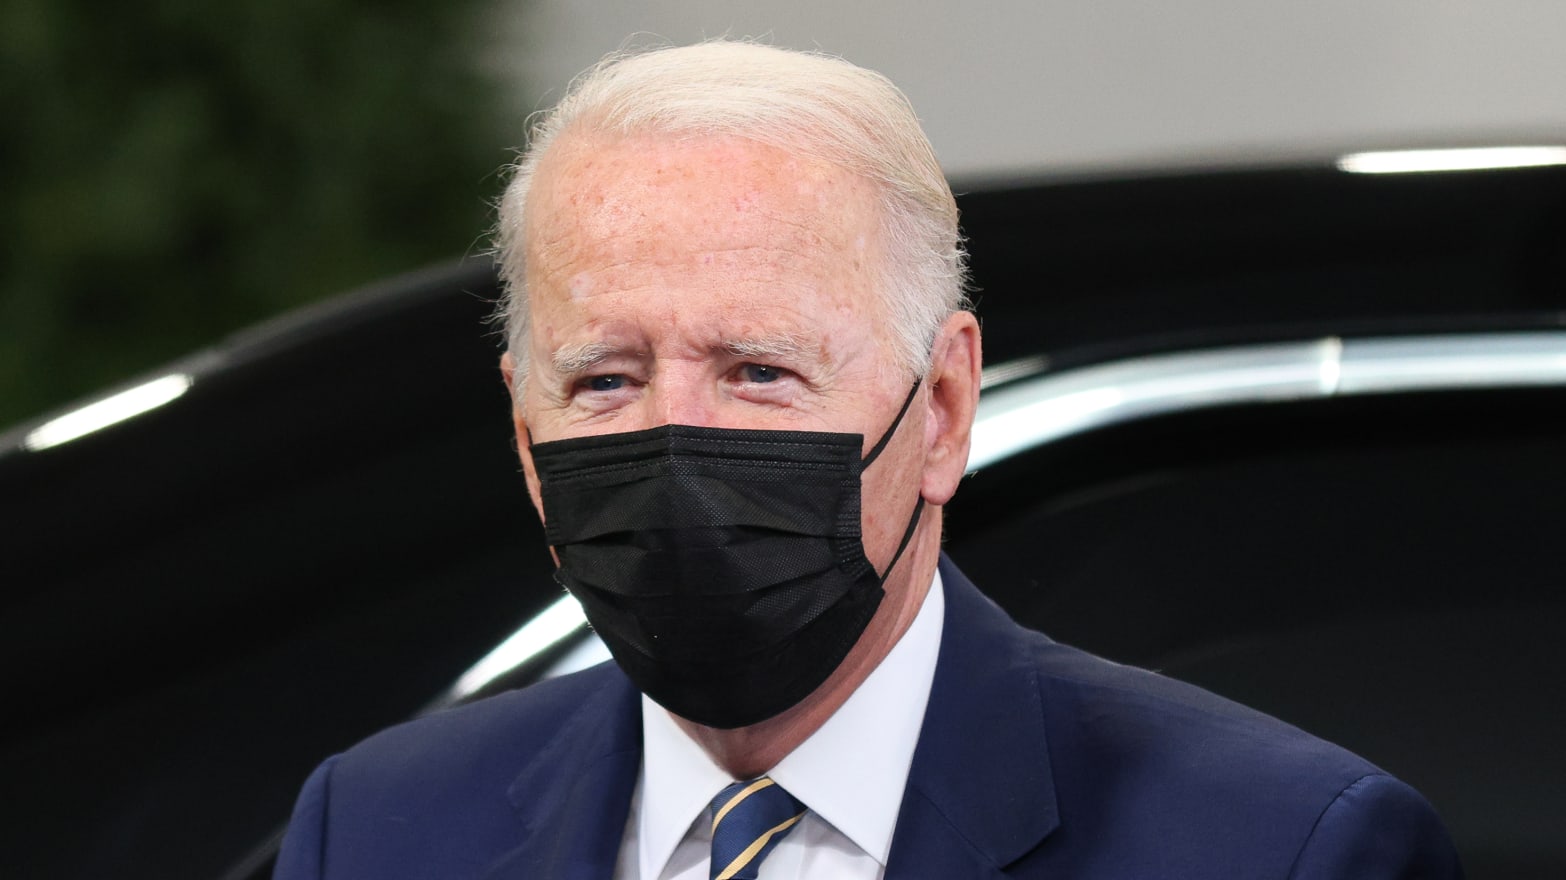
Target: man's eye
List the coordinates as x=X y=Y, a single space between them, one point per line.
x=760 y=373
x=610 y=382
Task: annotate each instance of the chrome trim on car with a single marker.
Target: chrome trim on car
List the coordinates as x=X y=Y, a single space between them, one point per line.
x=1032 y=408
x=562 y=620
x=1457 y=159
x=107 y=411
x=1051 y=407
x=1454 y=363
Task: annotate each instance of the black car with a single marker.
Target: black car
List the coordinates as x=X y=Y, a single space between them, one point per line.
x=1297 y=435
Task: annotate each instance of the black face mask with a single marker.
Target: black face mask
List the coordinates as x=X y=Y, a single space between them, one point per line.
x=723 y=568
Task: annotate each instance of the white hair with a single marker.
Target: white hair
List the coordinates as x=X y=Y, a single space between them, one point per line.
x=817 y=106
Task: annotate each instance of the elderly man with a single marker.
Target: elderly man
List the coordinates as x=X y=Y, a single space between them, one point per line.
x=744 y=382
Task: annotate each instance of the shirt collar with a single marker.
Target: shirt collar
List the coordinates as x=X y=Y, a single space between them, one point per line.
x=851 y=772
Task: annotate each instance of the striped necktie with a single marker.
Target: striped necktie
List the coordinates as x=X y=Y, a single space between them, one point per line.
x=748 y=820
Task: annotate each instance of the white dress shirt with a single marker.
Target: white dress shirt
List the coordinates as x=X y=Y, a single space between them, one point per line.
x=850 y=774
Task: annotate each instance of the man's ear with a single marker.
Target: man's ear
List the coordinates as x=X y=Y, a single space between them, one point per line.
x=508 y=372
x=956 y=360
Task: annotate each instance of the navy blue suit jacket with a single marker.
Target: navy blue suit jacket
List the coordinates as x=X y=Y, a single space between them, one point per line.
x=1035 y=760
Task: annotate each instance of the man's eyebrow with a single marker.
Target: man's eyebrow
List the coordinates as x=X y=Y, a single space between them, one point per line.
x=791 y=346
x=572 y=359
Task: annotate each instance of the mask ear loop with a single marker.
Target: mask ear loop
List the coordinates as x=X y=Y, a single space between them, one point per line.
x=913 y=520
x=887 y=437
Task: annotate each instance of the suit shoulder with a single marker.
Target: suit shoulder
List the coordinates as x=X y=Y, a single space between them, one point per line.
x=484 y=739
x=1131 y=708
x=1201 y=769
x=1378 y=827
x=436 y=797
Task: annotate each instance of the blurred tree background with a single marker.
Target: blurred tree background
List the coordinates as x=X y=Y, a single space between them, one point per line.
x=176 y=169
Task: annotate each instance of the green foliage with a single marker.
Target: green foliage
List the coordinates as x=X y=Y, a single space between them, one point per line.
x=175 y=170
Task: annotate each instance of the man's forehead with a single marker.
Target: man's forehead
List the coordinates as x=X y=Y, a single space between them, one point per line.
x=725 y=244
x=591 y=188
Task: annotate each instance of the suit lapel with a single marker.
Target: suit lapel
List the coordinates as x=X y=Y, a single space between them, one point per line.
x=980 y=792
x=573 y=797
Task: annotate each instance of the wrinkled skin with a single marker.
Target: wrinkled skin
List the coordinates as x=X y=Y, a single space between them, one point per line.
x=721 y=282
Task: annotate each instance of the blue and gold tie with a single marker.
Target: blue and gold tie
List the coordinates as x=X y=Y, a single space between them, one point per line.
x=748 y=820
